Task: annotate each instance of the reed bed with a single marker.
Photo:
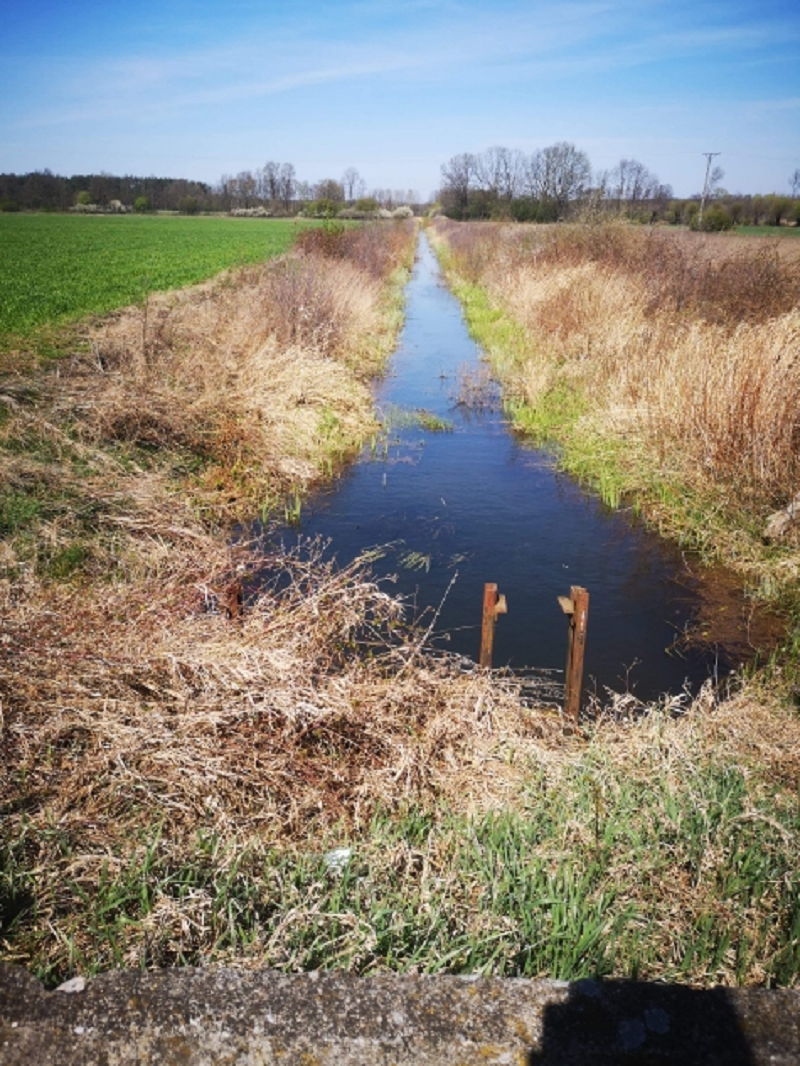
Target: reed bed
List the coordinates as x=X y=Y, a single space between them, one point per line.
x=218 y=753
x=665 y=364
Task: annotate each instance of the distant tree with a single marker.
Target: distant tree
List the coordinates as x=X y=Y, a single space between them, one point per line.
x=101 y=188
x=83 y=198
x=499 y=172
x=323 y=207
x=367 y=204
x=691 y=212
x=736 y=210
x=269 y=181
x=141 y=205
x=303 y=190
x=458 y=178
x=179 y=194
x=246 y=189
x=43 y=191
x=287 y=186
x=353 y=184
x=778 y=208
x=329 y=189
x=715 y=219
x=758 y=209
x=558 y=175
x=794 y=181
x=631 y=184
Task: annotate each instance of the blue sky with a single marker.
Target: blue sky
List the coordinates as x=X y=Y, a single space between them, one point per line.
x=396 y=87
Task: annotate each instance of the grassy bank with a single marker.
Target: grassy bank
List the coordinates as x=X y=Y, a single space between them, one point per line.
x=414 y=824
x=663 y=366
x=217 y=754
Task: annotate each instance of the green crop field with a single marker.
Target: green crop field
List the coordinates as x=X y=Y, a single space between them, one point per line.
x=57 y=268
x=768 y=231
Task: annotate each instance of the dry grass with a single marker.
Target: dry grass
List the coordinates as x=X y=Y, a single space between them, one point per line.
x=667 y=364
x=249 y=372
x=129 y=702
x=123 y=467
x=272 y=721
x=170 y=793
x=173 y=776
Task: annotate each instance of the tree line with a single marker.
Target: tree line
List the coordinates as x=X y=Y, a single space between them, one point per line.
x=273 y=189
x=558 y=182
x=543 y=186
x=42 y=190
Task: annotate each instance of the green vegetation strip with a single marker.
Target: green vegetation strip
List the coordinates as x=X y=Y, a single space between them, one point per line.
x=674 y=880
x=57 y=268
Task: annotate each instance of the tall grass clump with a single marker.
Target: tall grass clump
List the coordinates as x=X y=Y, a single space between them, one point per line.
x=664 y=364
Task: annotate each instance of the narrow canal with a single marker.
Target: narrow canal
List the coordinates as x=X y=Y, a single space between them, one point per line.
x=466 y=502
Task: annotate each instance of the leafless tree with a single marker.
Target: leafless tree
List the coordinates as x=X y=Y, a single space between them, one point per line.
x=458 y=178
x=353 y=184
x=499 y=171
x=558 y=174
x=329 y=189
x=303 y=190
x=631 y=184
x=565 y=172
x=287 y=184
x=243 y=189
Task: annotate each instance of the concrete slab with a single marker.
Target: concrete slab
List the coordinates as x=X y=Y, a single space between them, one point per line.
x=222 y=1016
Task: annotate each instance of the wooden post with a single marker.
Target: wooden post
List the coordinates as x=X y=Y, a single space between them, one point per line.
x=493 y=605
x=577 y=607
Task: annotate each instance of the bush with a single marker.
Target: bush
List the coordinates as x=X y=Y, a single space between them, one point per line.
x=716 y=219
x=369 y=247
x=141 y=204
x=323 y=208
x=778 y=208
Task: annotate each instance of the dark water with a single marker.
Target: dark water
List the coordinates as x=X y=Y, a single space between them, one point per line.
x=477 y=505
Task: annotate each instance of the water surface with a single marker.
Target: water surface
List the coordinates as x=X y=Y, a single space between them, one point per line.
x=475 y=504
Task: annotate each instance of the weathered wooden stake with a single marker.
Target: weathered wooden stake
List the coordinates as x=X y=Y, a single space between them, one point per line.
x=577 y=607
x=493 y=605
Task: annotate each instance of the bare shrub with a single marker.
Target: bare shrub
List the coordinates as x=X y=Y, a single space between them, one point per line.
x=378 y=249
x=312 y=304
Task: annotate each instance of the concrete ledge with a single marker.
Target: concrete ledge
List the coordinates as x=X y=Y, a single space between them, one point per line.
x=200 y=1017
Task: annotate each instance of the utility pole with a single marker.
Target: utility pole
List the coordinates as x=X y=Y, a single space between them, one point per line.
x=709 y=156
